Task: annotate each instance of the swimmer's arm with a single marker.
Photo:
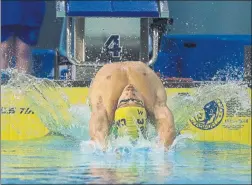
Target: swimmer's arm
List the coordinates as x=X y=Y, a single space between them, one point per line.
x=99 y=128
x=164 y=124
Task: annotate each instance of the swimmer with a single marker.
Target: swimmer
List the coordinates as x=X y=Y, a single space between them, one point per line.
x=122 y=97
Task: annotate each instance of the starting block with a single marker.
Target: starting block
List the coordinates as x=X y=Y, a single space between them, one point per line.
x=98 y=32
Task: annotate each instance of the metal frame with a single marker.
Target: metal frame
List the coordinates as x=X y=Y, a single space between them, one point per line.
x=75 y=36
x=56 y=65
x=60 y=8
x=74 y=40
x=144 y=36
x=248 y=63
x=155 y=45
x=164 y=8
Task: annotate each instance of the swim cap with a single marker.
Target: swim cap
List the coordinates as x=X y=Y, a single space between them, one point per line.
x=130 y=120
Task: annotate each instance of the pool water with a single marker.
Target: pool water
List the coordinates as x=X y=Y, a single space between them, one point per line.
x=61 y=160
x=71 y=159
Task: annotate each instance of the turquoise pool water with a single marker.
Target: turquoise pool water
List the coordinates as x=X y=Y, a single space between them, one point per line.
x=71 y=160
x=59 y=160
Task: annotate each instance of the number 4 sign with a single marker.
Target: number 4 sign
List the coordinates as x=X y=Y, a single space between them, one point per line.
x=112 y=46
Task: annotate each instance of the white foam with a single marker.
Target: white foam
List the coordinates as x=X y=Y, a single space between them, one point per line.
x=73 y=120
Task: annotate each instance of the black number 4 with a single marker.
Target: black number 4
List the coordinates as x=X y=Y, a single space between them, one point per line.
x=112 y=46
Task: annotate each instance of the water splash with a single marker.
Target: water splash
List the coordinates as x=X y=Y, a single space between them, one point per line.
x=49 y=102
x=232 y=91
x=54 y=109
x=229 y=73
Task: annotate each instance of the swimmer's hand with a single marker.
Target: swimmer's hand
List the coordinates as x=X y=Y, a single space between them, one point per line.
x=100 y=145
x=96 y=145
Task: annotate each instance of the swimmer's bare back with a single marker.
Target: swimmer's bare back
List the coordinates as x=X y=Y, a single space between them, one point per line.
x=111 y=79
x=106 y=89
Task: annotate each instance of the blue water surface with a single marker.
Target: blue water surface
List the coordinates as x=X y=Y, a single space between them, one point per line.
x=59 y=160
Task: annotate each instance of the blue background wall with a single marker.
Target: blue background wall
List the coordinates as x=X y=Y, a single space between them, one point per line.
x=190 y=18
x=218 y=31
x=211 y=17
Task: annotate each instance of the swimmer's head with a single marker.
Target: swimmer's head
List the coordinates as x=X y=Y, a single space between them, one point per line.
x=130 y=115
x=130 y=121
x=130 y=97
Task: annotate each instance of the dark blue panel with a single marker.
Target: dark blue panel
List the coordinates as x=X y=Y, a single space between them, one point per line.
x=113 y=8
x=11 y=12
x=19 y=12
x=43 y=63
x=34 y=12
x=167 y=65
x=201 y=56
x=89 y=8
x=135 y=8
